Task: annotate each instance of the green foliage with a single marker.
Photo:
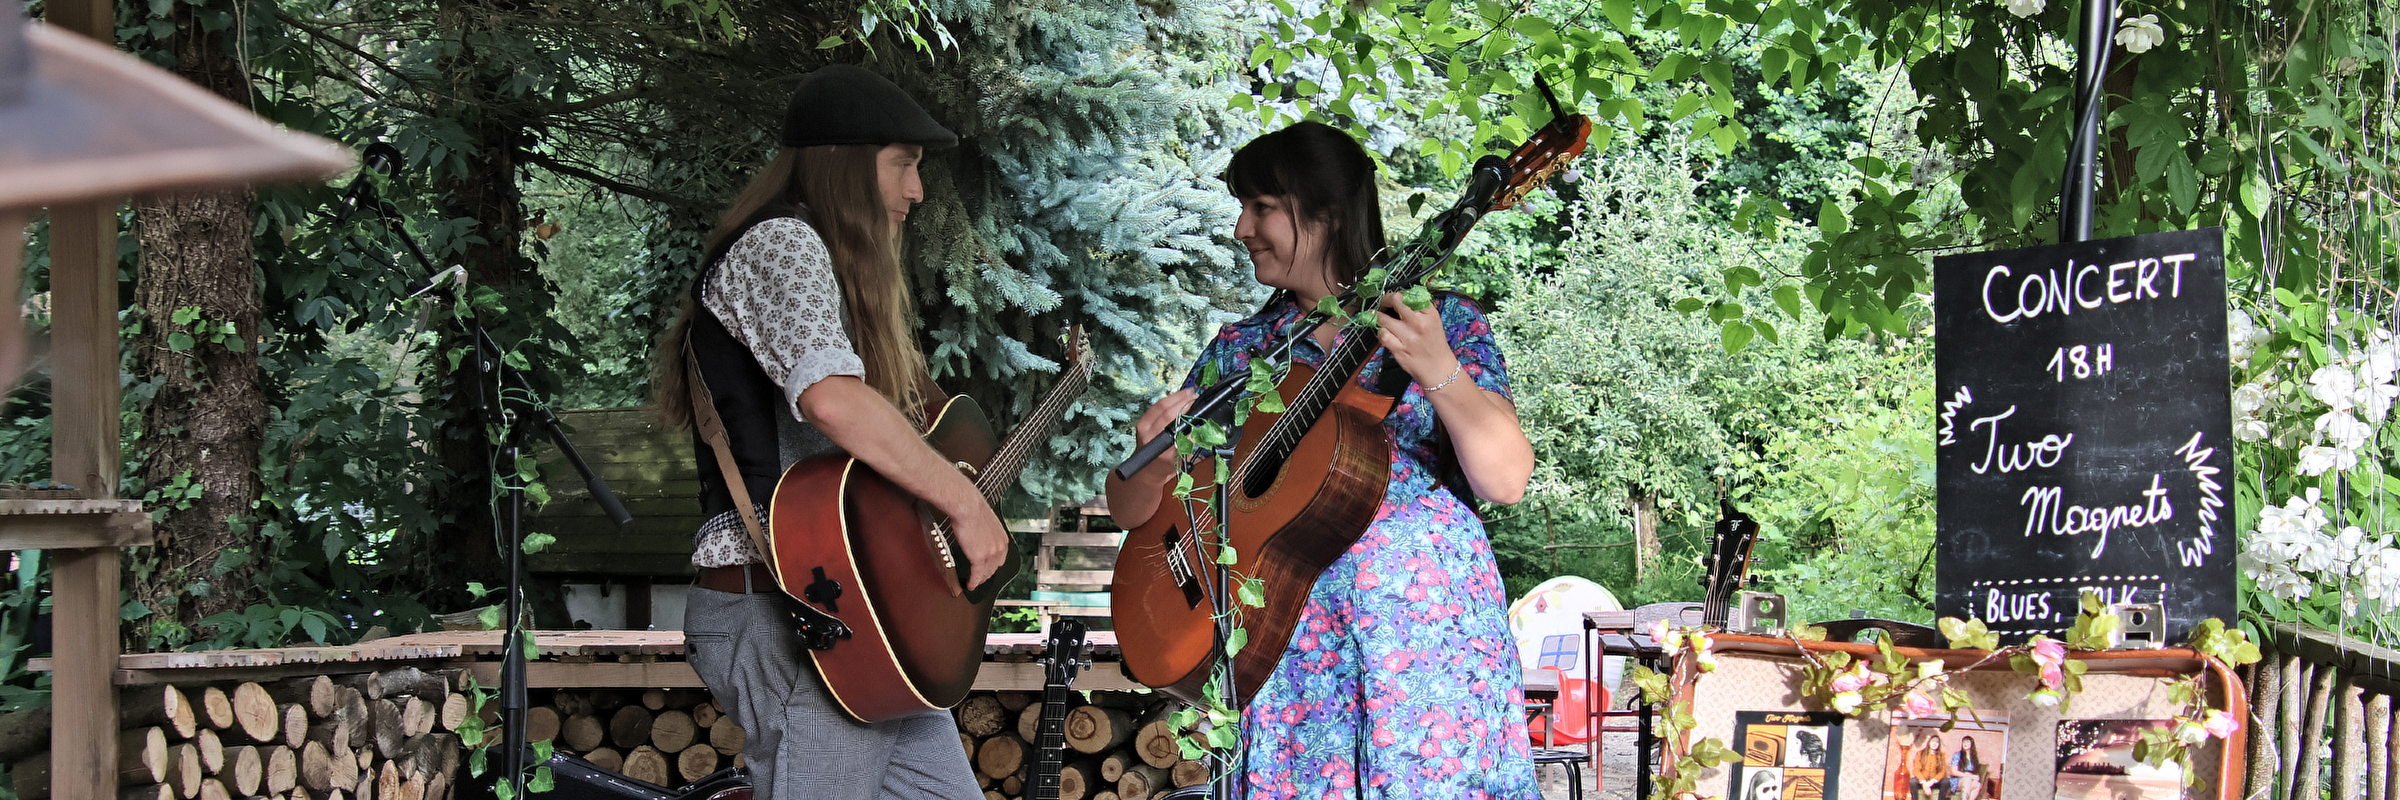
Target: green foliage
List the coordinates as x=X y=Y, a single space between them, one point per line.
x=1827 y=444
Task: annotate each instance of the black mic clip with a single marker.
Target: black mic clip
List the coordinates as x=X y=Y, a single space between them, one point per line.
x=380 y=158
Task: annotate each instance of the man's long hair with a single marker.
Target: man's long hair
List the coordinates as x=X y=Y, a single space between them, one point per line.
x=834 y=189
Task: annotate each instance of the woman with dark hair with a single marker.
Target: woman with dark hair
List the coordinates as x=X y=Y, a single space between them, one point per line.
x=800 y=330
x=1401 y=678
x=1966 y=772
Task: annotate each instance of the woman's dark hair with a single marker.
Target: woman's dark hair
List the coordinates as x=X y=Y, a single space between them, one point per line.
x=1328 y=179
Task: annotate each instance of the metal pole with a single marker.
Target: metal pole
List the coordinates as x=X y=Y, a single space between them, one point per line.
x=2091 y=66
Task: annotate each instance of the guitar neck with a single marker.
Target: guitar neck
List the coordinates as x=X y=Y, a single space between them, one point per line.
x=1001 y=473
x=1050 y=743
x=1418 y=259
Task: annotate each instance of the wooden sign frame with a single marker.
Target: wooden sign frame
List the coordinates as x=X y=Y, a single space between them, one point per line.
x=1758 y=673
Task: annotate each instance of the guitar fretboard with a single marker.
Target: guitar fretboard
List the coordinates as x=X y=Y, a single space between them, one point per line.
x=1001 y=472
x=1049 y=742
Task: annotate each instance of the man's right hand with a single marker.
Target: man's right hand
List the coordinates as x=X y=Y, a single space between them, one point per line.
x=984 y=542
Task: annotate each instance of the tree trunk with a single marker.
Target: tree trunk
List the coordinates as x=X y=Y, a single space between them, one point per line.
x=477 y=98
x=1646 y=547
x=202 y=429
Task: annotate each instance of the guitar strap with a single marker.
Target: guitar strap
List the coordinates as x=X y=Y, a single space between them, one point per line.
x=712 y=431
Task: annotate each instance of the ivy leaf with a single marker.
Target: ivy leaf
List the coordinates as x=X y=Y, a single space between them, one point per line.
x=1253 y=593
x=1235 y=641
x=1417 y=297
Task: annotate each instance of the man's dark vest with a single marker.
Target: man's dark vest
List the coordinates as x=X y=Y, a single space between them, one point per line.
x=758 y=419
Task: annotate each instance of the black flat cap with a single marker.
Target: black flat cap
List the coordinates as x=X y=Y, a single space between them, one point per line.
x=844 y=104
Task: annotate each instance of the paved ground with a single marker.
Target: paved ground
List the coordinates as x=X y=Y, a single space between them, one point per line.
x=1617 y=761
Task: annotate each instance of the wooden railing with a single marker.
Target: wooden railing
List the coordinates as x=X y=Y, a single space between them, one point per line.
x=2318 y=697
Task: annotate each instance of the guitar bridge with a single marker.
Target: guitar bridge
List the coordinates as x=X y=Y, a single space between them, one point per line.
x=1179 y=564
x=941 y=547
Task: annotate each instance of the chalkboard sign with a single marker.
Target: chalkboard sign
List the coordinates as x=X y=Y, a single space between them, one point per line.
x=2084 y=432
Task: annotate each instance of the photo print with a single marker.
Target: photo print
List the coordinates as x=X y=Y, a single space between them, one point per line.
x=2095 y=762
x=1924 y=762
x=1786 y=755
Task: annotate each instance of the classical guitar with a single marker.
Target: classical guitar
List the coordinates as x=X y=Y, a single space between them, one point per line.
x=1305 y=482
x=850 y=544
x=1060 y=666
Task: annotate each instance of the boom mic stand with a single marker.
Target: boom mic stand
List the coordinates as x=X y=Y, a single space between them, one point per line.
x=486 y=358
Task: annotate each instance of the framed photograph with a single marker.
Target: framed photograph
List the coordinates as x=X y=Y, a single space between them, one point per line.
x=2095 y=762
x=1787 y=755
x=1924 y=762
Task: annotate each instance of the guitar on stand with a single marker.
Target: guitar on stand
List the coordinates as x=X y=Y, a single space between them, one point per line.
x=1728 y=566
x=1060 y=666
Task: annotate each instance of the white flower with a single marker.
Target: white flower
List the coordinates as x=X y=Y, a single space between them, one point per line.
x=2026 y=8
x=2345 y=431
x=2349 y=547
x=2317 y=459
x=2141 y=33
x=2379 y=577
x=2249 y=399
x=2250 y=429
x=2277 y=579
x=2334 y=386
x=2242 y=337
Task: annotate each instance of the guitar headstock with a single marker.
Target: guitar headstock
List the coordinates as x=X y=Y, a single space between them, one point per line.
x=1728 y=563
x=1544 y=154
x=1064 y=658
x=1079 y=350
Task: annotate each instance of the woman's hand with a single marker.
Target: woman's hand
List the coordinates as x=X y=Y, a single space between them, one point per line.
x=1490 y=443
x=1417 y=340
x=1161 y=415
x=1132 y=501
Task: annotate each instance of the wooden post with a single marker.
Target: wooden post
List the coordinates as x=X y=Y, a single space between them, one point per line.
x=83 y=453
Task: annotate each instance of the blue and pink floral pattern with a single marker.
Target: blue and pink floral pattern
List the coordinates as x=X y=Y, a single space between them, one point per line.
x=1402 y=680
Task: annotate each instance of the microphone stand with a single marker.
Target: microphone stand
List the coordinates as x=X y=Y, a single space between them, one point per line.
x=484 y=358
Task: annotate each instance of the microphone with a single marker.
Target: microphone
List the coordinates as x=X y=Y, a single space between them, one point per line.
x=381 y=158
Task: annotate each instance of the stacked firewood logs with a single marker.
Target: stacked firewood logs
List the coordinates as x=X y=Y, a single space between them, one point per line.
x=669 y=737
x=1120 y=746
x=390 y=735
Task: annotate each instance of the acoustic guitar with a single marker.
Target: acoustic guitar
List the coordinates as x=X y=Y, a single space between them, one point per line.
x=1305 y=482
x=854 y=546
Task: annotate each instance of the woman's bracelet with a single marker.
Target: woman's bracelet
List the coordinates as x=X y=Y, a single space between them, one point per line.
x=1454 y=372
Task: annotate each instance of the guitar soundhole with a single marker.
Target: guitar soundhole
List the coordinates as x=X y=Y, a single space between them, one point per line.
x=1259 y=475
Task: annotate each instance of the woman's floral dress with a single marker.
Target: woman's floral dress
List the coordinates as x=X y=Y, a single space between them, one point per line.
x=1401 y=680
